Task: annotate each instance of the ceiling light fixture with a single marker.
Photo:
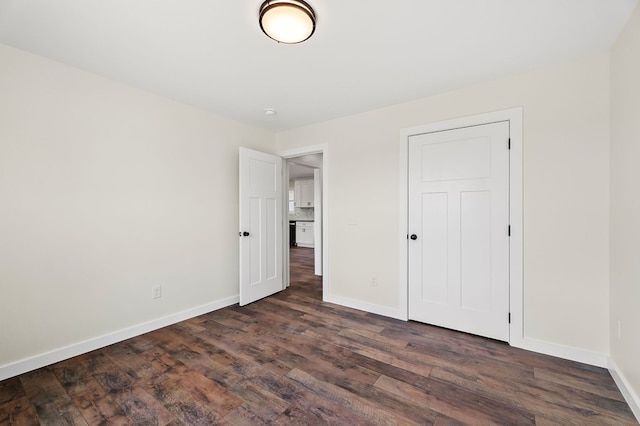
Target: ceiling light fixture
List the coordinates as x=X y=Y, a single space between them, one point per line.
x=287 y=21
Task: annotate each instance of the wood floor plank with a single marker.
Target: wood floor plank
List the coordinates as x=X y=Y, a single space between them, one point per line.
x=93 y=401
x=557 y=402
x=393 y=342
x=301 y=350
x=244 y=415
x=143 y=409
x=18 y=411
x=577 y=382
x=292 y=359
x=242 y=349
x=73 y=376
x=131 y=363
x=11 y=389
x=384 y=368
x=410 y=392
x=201 y=390
x=227 y=371
x=395 y=360
x=365 y=390
x=98 y=406
x=306 y=407
x=367 y=409
x=264 y=404
x=52 y=404
x=313 y=411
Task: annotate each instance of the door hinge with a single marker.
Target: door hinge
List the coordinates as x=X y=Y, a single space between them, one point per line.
x=509 y=317
x=509 y=230
x=509 y=144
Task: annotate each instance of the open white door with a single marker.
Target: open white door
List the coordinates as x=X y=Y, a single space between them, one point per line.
x=261 y=201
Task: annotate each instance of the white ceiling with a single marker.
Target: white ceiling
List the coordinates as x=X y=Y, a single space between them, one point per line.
x=365 y=54
x=303 y=166
x=297 y=171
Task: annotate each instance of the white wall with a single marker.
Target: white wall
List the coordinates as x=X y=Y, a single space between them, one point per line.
x=566 y=192
x=105 y=191
x=625 y=204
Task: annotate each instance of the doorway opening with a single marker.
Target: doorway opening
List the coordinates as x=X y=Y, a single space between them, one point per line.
x=306 y=231
x=304 y=211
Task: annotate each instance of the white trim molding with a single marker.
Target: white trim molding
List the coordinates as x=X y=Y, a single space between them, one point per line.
x=564 y=352
x=514 y=117
x=625 y=388
x=60 y=354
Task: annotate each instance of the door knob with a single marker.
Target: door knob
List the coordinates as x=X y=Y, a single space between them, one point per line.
x=413 y=237
x=243 y=234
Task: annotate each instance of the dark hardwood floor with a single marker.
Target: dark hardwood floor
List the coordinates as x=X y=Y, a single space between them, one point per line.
x=291 y=359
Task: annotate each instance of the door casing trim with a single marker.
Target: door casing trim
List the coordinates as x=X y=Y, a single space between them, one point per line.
x=516 y=282
x=297 y=152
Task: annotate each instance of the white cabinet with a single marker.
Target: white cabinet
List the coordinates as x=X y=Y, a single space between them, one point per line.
x=304 y=193
x=304 y=234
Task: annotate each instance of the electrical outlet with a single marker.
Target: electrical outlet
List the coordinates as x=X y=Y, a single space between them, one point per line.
x=374 y=281
x=156 y=292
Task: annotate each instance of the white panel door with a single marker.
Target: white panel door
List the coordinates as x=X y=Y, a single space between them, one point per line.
x=261 y=218
x=458 y=228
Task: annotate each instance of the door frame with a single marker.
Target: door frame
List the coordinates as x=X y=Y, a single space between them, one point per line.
x=298 y=152
x=516 y=283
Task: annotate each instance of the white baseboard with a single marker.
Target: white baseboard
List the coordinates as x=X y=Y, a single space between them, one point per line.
x=57 y=355
x=560 y=351
x=625 y=388
x=385 y=311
